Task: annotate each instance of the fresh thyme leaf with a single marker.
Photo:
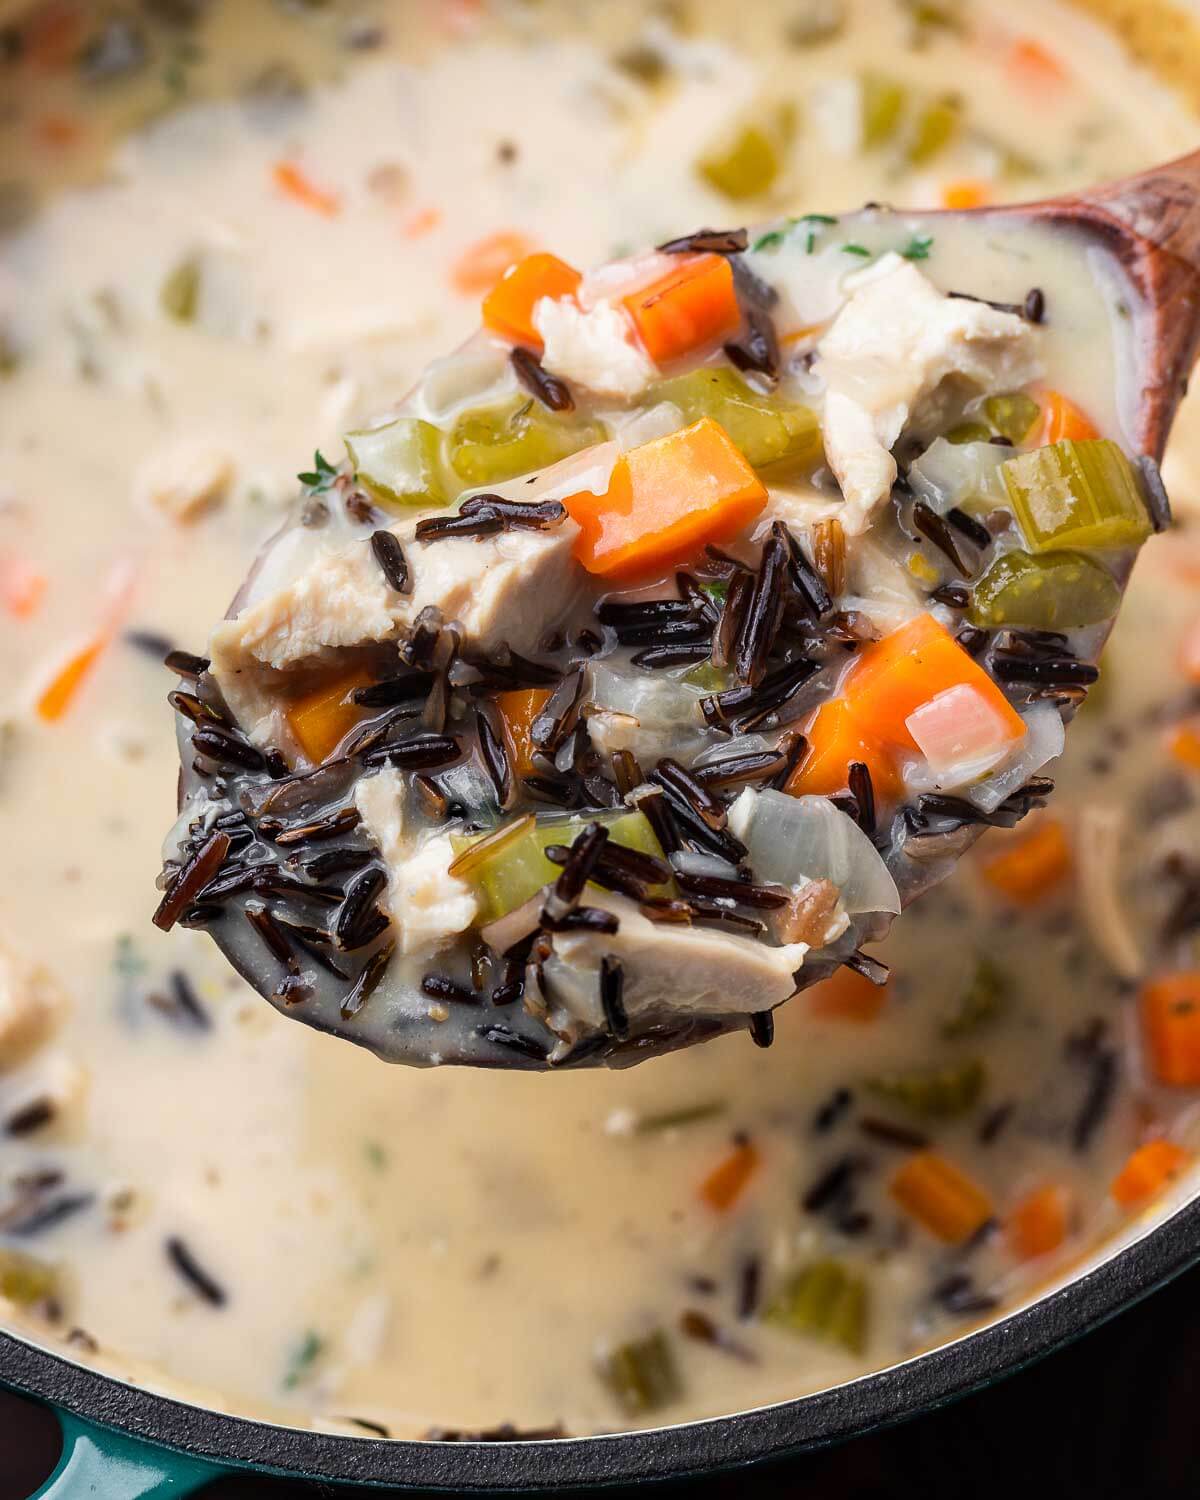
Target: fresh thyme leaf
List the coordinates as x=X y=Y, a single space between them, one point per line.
x=302 y=1359
x=918 y=247
x=321 y=477
x=769 y=240
x=857 y=250
x=815 y=219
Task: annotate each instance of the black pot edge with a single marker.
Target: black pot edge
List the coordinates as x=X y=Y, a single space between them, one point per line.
x=878 y=1400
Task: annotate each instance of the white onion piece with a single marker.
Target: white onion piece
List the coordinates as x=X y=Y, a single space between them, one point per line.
x=478 y=374
x=792 y=840
x=656 y=701
x=1043 y=742
x=946 y=474
x=744 y=744
x=687 y=862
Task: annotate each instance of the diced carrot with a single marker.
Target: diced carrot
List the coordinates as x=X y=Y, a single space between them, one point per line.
x=692 y=306
x=57 y=697
x=422 y=222
x=969 y=192
x=941 y=1197
x=518 y=709
x=1184 y=745
x=485 y=261
x=52 y=36
x=292 y=181
x=835 y=741
x=1147 y=1172
x=1189 y=652
x=727 y=1181
x=1030 y=867
x=21 y=587
x=322 y=718
x=847 y=996
x=508 y=306
x=58 y=130
x=1171 y=1026
x=897 y=675
x=1038 y=1224
x=1033 y=64
x=1063 y=421
x=665 y=500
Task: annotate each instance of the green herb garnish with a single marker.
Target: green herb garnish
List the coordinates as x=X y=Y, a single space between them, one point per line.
x=302 y=1359
x=856 y=250
x=321 y=477
x=918 y=247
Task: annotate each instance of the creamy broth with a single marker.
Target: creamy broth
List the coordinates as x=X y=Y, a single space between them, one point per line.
x=454 y=1249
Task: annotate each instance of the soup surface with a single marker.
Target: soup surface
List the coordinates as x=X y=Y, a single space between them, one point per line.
x=227 y=232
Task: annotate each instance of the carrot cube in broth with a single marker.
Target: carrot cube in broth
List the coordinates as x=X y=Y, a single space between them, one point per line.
x=1038 y=1224
x=727 y=1181
x=692 y=306
x=836 y=740
x=1148 y=1171
x=508 y=307
x=518 y=709
x=322 y=718
x=1030 y=867
x=941 y=1197
x=847 y=996
x=1170 y=1009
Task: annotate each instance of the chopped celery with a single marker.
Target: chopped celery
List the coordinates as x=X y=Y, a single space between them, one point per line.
x=766 y=429
x=1076 y=494
x=936 y=127
x=747 y=163
x=980 y=1002
x=968 y=432
x=179 y=295
x=673 y=1119
x=824 y=1301
x=936 y=1094
x=705 y=675
x=642 y=1374
x=815 y=21
x=1012 y=415
x=882 y=103
x=24 y=1280
x=398 y=463
x=1052 y=591
x=509 y=866
x=491 y=444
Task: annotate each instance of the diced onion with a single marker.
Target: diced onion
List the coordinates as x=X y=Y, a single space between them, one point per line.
x=1043 y=742
x=947 y=474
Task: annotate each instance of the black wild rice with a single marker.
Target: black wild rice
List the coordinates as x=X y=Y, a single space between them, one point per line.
x=680 y=782
x=30 y=1117
x=442 y=987
x=762 y=1028
x=667 y=632
x=273 y=936
x=741 y=709
x=583 y=919
x=196 y=709
x=994 y=1122
x=186 y=664
x=758 y=348
x=794 y=753
x=872 y=969
x=958 y=1294
x=804 y=578
x=392 y=692
x=931 y=525
x=342 y=821
x=743 y=892
x=512 y=1041
x=367 y=982
x=834 y=1186
x=952 y=595
x=763 y=616
x=1045 y=671
x=333 y=862
x=694 y=1324
x=1033 y=309
x=582 y=859
x=149 y=642
x=626 y=772
x=829 y=1113
x=388 y=553
x=215 y=744
x=316 y=942
x=716 y=241
x=538 y=381
x=1016 y=308
x=420 y=753
x=891 y=1134
x=974 y=531
x=559 y=715
x=709 y=913
x=1098 y=1097
x=191 y=880
x=733 y=614
x=481 y=522
x=862 y=789
x=494 y=754
x=972 y=640
x=25 y=1219
x=658 y=658
x=186 y=1001
x=737 y=769
x=505 y=669
x=360 y=897
x=203 y=1284
x=612 y=996
x=651 y=802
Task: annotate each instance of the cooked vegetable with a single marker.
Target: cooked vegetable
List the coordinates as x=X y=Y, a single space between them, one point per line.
x=484 y=263
x=1012 y=415
x=518 y=709
x=967 y=192
x=936 y=126
x=491 y=444
x=727 y=1181
x=961 y=469
x=1076 y=494
x=941 y=1197
x=1039 y=1223
x=26 y=1281
x=847 y=996
x=1147 y=1172
x=1045 y=737
x=882 y=102
x=398 y=463
x=934 y=1094
x=824 y=1301
x=961 y=733
x=1184 y=745
x=767 y=429
x=296 y=184
x=692 y=306
x=508 y=306
x=665 y=500
x=980 y=1002
x=1064 y=422
x=1046 y=590
x=179 y=294
x=57 y=697
x=1171 y=1025
x=747 y=163
x=836 y=741
x=674 y=1119
x=322 y=718
x=1029 y=867
x=22 y=587
x=642 y=1374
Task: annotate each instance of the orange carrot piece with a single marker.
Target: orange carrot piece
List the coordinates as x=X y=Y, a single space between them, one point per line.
x=52 y=36
x=727 y=1181
x=1038 y=1224
x=692 y=306
x=895 y=676
x=1147 y=1172
x=508 y=306
x=1189 y=652
x=57 y=697
x=1184 y=745
x=1034 y=64
x=322 y=718
x=665 y=500
x=422 y=223
x=1170 y=1008
x=1063 y=421
x=969 y=192
x=1029 y=868
x=518 y=709
x=835 y=740
x=940 y=1197
x=847 y=996
x=484 y=262
x=292 y=181
x=21 y=587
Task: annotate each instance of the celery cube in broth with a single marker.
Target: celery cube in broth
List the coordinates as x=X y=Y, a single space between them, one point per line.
x=398 y=464
x=1049 y=591
x=491 y=444
x=881 y=101
x=748 y=163
x=767 y=429
x=1076 y=494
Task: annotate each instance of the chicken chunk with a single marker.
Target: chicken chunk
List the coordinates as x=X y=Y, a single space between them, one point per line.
x=593 y=349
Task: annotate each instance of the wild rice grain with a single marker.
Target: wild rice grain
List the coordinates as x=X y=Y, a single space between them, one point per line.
x=612 y=996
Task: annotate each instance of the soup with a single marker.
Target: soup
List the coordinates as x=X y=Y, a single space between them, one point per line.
x=234 y=232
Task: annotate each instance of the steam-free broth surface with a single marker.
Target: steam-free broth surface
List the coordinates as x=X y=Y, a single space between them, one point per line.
x=224 y=240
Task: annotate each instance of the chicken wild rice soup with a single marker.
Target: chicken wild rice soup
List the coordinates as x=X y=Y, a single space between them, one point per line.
x=231 y=234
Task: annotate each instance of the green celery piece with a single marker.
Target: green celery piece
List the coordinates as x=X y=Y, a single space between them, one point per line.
x=642 y=1374
x=747 y=164
x=1049 y=591
x=882 y=105
x=824 y=1301
x=980 y=1002
x=491 y=444
x=179 y=295
x=398 y=464
x=25 y=1280
x=674 y=1119
x=1076 y=494
x=936 y=1094
x=518 y=867
x=765 y=428
x=936 y=127
x=968 y=432
x=705 y=675
x=1012 y=415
